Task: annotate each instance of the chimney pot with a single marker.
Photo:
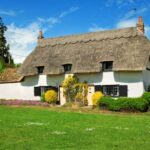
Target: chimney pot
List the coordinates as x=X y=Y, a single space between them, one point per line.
x=40 y=37
x=140 y=25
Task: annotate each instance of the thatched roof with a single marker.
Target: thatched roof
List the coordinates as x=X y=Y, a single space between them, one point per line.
x=128 y=48
x=10 y=75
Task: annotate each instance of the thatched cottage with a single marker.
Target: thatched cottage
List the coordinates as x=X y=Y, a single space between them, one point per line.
x=117 y=62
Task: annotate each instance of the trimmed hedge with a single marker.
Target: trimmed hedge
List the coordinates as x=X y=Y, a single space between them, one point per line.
x=124 y=104
x=146 y=96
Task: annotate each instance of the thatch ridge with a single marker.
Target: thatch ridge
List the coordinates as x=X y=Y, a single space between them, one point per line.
x=92 y=36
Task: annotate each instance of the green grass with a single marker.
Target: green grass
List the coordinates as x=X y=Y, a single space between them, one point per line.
x=46 y=129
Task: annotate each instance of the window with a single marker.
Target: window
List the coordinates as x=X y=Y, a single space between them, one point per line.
x=67 y=68
x=42 y=89
x=40 y=69
x=107 y=65
x=148 y=65
x=113 y=90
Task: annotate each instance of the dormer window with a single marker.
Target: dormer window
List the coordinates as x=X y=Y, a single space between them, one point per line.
x=148 y=65
x=107 y=65
x=67 y=68
x=40 y=69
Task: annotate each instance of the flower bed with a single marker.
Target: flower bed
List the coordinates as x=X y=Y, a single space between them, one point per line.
x=23 y=102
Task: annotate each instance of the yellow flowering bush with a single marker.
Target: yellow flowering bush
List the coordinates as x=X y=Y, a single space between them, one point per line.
x=68 y=86
x=51 y=96
x=96 y=97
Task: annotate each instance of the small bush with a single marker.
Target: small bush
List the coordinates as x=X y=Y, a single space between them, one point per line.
x=51 y=96
x=124 y=104
x=146 y=96
x=42 y=97
x=105 y=102
x=96 y=98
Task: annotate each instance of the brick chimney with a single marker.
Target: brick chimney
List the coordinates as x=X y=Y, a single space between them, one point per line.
x=40 y=37
x=140 y=25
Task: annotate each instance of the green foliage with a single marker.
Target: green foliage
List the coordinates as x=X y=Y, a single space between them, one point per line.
x=51 y=96
x=124 y=104
x=146 y=96
x=17 y=65
x=4 y=47
x=148 y=89
x=2 y=65
x=42 y=98
x=75 y=91
x=68 y=87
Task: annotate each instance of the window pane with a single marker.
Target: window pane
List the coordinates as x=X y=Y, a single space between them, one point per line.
x=67 y=68
x=40 y=69
x=107 y=66
x=111 y=90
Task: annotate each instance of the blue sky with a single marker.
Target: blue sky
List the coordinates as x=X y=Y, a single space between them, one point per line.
x=25 y=18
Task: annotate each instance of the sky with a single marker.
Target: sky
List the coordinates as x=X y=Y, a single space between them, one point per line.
x=25 y=18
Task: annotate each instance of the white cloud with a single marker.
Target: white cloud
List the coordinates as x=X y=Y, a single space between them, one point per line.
x=126 y=23
x=50 y=20
x=95 y=28
x=119 y=3
x=7 y=13
x=134 y=12
x=132 y=23
x=71 y=10
x=22 y=40
x=54 y=20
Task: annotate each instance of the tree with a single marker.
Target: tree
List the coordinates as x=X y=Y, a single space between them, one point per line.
x=4 y=47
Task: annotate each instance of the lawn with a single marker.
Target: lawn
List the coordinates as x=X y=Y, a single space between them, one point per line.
x=43 y=128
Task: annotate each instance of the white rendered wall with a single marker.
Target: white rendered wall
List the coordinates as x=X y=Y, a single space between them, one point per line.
x=134 y=80
x=55 y=80
x=25 y=89
x=146 y=77
x=22 y=90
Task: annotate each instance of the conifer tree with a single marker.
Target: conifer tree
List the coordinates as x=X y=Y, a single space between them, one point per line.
x=4 y=47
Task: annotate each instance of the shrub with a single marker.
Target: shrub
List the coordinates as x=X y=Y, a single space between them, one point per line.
x=42 y=97
x=81 y=92
x=148 y=88
x=51 y=96
x=105 y=101
x=68 y=87
x=79 y=97
x=146 y=96
x=125 y=104
x=2 y=64
x=96 y=97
